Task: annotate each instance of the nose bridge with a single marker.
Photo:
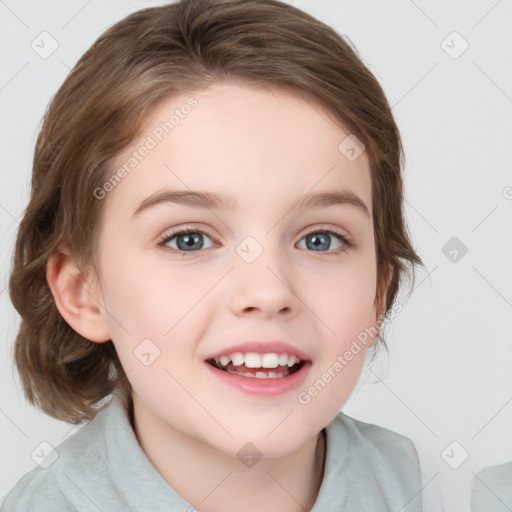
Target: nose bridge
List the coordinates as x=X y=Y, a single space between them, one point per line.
x=262 y=278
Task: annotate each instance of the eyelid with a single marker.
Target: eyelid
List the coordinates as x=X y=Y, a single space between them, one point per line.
x=313 y=228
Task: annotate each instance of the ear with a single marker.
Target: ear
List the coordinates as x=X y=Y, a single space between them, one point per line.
x=77 y=296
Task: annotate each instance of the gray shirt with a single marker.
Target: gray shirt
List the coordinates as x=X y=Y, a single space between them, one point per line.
x=102 y=468
x=492 y=489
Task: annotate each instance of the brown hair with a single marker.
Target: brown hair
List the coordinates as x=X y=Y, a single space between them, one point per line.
x=99 y=109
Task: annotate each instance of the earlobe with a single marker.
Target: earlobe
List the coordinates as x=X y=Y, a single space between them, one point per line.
x=76 y=297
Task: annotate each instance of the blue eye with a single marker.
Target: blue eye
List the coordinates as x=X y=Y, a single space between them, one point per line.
x=188 y=241
x=322 y=240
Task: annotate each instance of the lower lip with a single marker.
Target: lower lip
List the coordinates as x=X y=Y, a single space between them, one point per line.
x=262 y=387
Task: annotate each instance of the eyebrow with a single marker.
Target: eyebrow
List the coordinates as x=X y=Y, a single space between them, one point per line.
x=211 y=201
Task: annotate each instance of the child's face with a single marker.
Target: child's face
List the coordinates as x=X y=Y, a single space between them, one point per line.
x=250 y=274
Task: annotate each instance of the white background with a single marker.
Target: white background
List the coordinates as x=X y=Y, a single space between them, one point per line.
x=448 y=376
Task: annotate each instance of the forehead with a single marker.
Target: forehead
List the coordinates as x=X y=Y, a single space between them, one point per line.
x=251 y=143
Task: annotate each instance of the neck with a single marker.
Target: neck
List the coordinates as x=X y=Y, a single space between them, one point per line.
x=214 y=481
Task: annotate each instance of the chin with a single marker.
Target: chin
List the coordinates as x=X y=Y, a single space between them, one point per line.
x=263 y=445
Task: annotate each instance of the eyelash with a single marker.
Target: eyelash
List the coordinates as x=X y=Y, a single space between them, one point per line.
x=347 y=243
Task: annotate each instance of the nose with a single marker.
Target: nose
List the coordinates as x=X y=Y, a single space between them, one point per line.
x=263 y=288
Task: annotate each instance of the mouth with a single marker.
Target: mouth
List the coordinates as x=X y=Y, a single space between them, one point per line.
x=253 y=365
x=262 y=368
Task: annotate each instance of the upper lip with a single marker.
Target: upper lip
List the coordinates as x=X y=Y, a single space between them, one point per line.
x=262 y=347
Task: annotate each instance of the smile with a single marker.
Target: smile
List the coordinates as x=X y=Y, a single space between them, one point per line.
x=260 y=366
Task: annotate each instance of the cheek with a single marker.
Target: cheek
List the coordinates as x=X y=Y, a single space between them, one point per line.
x=345 y=309
x=344 y=301
x=149 y=311
x=149 y=300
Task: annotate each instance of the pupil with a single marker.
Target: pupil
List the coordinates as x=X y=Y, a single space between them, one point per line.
x=189 y=240
x=317 y=243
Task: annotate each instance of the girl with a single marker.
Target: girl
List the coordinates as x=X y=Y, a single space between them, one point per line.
x=214 y=238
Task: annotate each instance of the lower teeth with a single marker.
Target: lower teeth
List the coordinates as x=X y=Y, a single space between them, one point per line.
x=258 y=375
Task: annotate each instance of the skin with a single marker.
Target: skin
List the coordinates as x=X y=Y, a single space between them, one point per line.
x=266 y=148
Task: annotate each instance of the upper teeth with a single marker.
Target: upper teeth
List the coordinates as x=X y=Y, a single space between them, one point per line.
x=254 y=360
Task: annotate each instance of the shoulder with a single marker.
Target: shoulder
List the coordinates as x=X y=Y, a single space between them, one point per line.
x=383 y=465
x=38 y=490
x=52 y=485
x=389 y=446
x=492 y=489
